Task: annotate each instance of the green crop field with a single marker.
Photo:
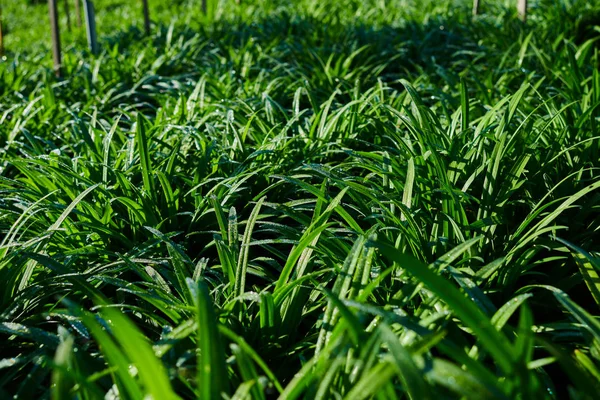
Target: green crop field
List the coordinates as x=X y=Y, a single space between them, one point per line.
x=312 y=199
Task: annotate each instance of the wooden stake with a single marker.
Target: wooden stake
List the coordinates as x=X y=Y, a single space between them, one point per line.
x=66 y=4
x=55 y=36
x=522 y=9
x=1 y=34
x=146 y=17
x=204 y=6
x=78 y=13
x=475 y=7
x=90 y=23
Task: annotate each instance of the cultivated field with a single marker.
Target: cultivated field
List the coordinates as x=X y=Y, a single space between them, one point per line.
x=302 y=199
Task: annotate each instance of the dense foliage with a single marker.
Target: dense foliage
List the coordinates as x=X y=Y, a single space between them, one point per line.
x=312 y=199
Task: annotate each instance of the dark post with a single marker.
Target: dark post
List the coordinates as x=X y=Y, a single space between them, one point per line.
x=204 y=6
x=146 y=17
x=475 y=7
x=1 y=34
x=55 y=36
x=90 y=21
x=78 y=13
x=522 y=9
x=66 y=3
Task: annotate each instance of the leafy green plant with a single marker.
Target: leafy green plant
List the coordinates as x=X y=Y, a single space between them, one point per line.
x=303 y=200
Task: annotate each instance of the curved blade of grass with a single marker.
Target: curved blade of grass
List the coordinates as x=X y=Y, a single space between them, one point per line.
x=578 y=312
x=139 y=351
x=504 y=313
x=242 y=265
x=255 y=357
x=588 y=267
x=411 y=376
x=142 y=139
x=494 y=342
x=212 y=372
x=368 y=386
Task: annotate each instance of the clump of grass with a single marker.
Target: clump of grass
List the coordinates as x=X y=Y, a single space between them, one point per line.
x=317 y=200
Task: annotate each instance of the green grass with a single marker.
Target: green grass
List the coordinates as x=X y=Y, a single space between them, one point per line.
x=311 y=199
